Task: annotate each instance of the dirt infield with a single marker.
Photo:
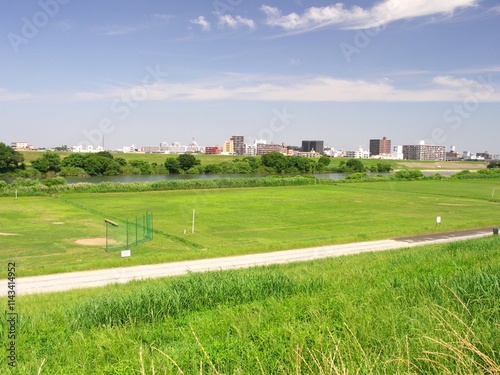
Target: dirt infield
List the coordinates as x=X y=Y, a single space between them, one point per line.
x=100 y=241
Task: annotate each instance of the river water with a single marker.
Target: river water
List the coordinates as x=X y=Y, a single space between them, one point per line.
x=158 y=177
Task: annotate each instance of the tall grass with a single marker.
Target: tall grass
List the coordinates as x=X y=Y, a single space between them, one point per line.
x=39 y=189
x=195 y=292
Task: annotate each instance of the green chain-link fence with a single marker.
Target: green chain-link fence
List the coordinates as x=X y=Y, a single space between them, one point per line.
x=125 y=235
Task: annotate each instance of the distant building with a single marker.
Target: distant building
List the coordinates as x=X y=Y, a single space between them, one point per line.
x=251 y=150
x=263 y=149
x=424 y=152
x=360 y=154
x=380 y=147
x=87 y=149
x=311 y=154
x=209 y=150
x=397 y=153
x=239 y=144
x=21 y=146
x=228 y=147
x=318 y=146
x=484 y=155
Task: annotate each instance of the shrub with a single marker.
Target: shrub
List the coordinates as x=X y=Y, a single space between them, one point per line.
x=73 y=171
x=357 y=176
x=409 y=174
x=54 y=181
x=18 y=182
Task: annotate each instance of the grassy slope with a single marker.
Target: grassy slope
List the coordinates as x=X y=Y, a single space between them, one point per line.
x=391 y=312
x=237 y=221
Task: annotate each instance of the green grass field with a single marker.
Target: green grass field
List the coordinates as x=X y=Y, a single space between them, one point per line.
x=235 y=221
x=425 y=310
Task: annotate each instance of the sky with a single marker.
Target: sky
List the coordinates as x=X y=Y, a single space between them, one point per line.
x=123 y=72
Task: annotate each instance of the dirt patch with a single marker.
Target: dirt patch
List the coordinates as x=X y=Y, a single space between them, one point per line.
x=444 y=165
x=100 y=241
x=9 y=234
x=58 y=223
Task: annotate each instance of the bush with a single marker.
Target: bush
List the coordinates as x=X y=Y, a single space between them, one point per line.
x=19 y=182
x=54 y=181
x=73 y=171
x=409 y=174
x=357 y=176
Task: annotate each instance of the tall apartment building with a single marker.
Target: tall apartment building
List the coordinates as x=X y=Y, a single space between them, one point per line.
x=424 y=152
x=239 y=144
x=380 y=146
x=228 y=147
x=318 y=146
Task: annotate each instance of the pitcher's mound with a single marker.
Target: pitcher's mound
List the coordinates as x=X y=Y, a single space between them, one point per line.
x=94 y=241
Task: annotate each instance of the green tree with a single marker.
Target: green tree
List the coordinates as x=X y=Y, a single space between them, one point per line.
x=301 y=164
x=173 y=166
x=10 y=160
x=142 y=165
x=383 y=167
x=96 y=165
x=355 y=165
x=493 y=164
x=187 y=161
x=105 y=154
x=75 y=160
x=254 y=162
x=323 y=162
x=49 y=162
x=275 y=160
x=121 y=161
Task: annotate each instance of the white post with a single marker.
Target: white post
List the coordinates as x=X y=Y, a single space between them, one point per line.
x=493 y=193
x=16 y=193
x=192 y=228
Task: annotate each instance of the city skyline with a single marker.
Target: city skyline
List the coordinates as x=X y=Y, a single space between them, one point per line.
x=133 y=72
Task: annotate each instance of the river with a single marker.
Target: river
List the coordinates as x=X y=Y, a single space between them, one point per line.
x=158 y=177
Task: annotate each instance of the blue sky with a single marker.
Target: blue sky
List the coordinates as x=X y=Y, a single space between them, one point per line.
x=143 y=72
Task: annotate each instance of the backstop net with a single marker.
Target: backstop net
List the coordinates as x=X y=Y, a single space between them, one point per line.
x=130 y=233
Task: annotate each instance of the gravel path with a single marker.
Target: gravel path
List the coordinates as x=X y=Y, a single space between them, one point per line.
x=90 y=279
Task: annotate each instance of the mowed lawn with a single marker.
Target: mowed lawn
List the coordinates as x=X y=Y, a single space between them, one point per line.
x=237 y=221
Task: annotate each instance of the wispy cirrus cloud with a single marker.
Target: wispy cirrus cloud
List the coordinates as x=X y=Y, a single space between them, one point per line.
x=9 y=96
x=381 y=14
x=201 y=21
x=306 y=89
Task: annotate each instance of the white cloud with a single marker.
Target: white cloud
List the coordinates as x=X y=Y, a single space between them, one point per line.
x=201 y=21
x=235 y=22
x=308 y=89
x=381 y=14
x=8 y=96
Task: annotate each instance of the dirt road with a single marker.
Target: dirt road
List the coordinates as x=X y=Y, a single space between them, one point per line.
x=91 y=279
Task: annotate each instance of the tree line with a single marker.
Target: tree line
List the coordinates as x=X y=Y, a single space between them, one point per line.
x=105 y=163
